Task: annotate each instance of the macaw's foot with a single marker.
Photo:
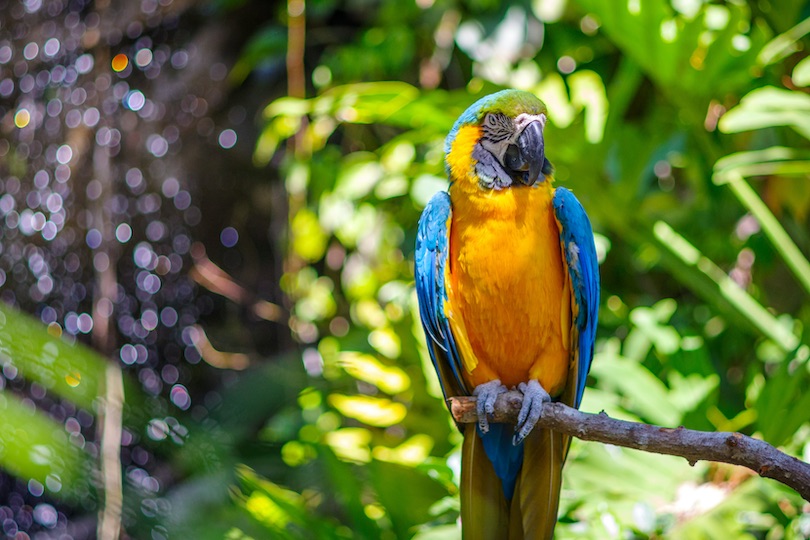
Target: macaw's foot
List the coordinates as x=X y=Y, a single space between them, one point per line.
x=534 y=397
x=487 y=393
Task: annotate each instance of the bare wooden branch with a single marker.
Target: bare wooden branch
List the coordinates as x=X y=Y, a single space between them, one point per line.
x=694 y=446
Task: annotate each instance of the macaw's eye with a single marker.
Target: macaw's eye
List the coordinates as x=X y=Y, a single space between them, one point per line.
x=513 y=159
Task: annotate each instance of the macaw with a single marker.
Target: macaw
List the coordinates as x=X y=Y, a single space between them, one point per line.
x=508 y=287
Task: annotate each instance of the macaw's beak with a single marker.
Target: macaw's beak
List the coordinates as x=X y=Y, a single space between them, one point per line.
x=532 y=148
x=527 y=157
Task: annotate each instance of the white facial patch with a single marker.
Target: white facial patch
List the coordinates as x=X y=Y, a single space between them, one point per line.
x=524 y=120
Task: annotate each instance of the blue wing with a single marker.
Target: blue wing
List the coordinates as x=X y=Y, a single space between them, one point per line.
x=432 y=249
x=576 y=238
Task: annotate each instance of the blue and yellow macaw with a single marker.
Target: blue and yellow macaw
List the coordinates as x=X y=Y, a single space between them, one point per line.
x=508 y=287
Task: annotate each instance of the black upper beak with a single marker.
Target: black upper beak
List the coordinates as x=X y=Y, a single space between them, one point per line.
x=532 y=148
x=528 y=156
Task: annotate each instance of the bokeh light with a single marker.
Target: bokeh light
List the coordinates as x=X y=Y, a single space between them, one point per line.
x=143 y=58
x=120 y=62
x=229 y=237
x=227 y=138
x=22 y=118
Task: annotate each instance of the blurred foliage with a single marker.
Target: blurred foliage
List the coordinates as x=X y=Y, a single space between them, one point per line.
x=683 y=128
x=662 y=116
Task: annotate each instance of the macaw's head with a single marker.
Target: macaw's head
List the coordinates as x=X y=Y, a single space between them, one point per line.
x=498 y=142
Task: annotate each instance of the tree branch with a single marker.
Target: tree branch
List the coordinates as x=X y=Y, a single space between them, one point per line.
x=694 y=446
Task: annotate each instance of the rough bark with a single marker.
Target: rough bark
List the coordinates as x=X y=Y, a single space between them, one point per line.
x=694 y=446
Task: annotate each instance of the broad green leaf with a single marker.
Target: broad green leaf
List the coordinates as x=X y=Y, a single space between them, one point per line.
x=801 y=73
x=281 y=511
x=407 y=508
x=348 y=489
x=34 y=447
x=769 y=107
x=782 y=242
x=744 y=304
x=783 y=404
x=689 y=57
x=624 y=476
x=644 y=394
x=776 y=160
x=785 y=44
x=72 y=371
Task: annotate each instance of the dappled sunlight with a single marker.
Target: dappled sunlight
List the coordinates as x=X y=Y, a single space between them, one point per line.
x=350 y=444
x=222 y=202
x=412 y=452
x=379 y=412
x=364 y=367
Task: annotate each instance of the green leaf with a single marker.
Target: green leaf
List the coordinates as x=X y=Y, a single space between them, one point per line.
x=801 y=73
x=769 y=107
x=348 y=490
x=722 y=286
x=281 y=511
x=690 y=58
x=406 y=508
x=34 y=447
x=783 y=404
x=72 y=371
x=782 y=242
x=784 y=44
x=643 y=392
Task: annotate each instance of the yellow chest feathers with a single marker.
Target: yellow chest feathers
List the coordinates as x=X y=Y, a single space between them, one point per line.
x=509 y=302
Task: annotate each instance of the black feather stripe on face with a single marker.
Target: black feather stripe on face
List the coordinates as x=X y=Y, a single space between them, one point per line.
x=497 y=127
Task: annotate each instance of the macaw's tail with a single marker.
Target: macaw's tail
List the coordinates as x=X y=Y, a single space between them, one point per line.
x=531 y=513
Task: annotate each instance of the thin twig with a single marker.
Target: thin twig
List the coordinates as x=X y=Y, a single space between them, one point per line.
x=296 y=75
x=110 y=411
x=694 y=446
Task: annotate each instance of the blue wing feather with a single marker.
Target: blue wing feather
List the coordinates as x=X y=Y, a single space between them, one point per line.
x=579 y=250
x=432 y=250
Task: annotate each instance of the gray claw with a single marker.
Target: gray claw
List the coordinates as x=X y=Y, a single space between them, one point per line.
x=534 y=397
x=487 y=393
